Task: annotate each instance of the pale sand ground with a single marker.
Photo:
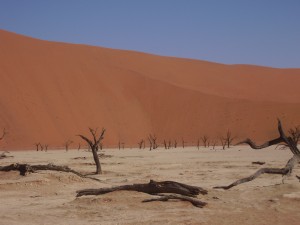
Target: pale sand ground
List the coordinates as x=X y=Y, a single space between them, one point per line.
x=49 y=197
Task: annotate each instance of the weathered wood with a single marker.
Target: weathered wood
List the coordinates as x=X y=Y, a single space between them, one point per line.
x=24 y=169
x=259 y=163
x=196 y=202
x=3 y=155
x=281 y=171
x=287 y=170
x=153 y=187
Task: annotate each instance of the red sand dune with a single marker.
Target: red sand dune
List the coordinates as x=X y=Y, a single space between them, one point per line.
x=50 y=91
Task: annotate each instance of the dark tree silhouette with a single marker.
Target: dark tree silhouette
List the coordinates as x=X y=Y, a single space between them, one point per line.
x=183 y=143
x=67 y=144
x=165 y=144
x=95 y=144
x=141 y=144
x=229 y=138
x=205 y=142
x=214 y=142
x=223 y=142
x=37 y=145
x=152 y=141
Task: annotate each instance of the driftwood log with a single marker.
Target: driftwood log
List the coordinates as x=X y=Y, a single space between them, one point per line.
x=164 y=198
x=24 y=169
x=3 y=155
x=258 y=163
x=287 y=170
x=155 y=188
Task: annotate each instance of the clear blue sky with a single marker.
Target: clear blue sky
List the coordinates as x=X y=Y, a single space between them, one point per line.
x=261 y=32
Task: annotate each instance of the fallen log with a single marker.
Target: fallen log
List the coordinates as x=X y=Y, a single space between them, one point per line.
x=3 y=155
x=153 y=187
x=156 y=188
x=258 y=163
x=24 y=169
x=164 y=198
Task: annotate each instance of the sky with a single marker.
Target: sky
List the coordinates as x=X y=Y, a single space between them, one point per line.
x=259 y=32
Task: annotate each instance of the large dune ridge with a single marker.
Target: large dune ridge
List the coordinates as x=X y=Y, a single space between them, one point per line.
x=51 y=91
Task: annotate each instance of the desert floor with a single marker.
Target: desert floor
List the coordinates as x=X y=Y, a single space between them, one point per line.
x=48 y=197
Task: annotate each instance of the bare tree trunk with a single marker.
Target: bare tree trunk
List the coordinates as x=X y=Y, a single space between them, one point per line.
x=141 y=144
x=165 y=144
x=97 y=161
x=37 y=145
x=94 y=146
x=183 y=143
x=204 y=140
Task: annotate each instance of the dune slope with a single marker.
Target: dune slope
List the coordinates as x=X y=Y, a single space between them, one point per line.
x=50 y=91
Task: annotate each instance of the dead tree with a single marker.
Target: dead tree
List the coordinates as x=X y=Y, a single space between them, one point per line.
x=214 y=142
x=223 y=142
x=198 y=143
x=175 y=144
x=95 y=144
x=287 y=170
x=79 y=146
x=205 y=141
x=294 y=134
x=182 y=191
x=150 y=143
x=183 y=143
x=141 y=144
x=67 y=144
x=229 y=138
x=120 y=145
x=37 y=145
x=46 y=147
x=153 y=143
x=165 y=144
x=169 y=145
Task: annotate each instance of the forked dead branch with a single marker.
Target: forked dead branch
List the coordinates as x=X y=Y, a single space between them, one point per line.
x=285 y=171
